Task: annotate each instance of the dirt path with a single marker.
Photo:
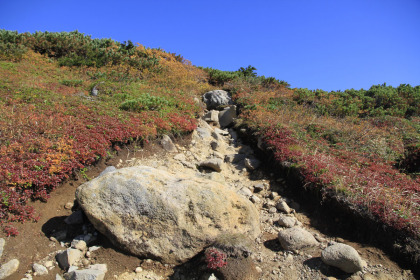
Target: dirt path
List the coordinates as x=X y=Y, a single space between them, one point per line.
x=36 y=242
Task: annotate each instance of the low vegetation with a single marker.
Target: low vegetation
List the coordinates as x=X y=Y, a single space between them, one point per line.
x=51 y=127
x=358 y=146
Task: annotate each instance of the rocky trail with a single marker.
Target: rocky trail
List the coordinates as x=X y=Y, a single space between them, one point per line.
x=291 y=243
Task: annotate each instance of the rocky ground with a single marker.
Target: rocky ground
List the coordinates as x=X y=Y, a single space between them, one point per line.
x=298 y=252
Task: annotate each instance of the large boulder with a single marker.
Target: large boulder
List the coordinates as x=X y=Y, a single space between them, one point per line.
x=216 y=98
x=155 y=214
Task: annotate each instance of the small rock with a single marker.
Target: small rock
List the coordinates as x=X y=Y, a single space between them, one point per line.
x=68 y=257
x=258 y=269
x=255 y=199
x=75 y=218
x=212 y=277
x=68 y=205
x=203 y=133
x=215 y=163
x=85 y=262
x=49 y=264
x=342 y=256
x=79 y=244
x=9 y=268
x=58 y=277
x=272 y=210
x=258 y=188
x=168 y=145
x=211 y=116
x=245 y=192
x=296 y=238
x=39 y=269
x=2 y=243
x=221 y=132
x=252 y=163
x=214 y=145
x=227 y=116
x=286 y=221
x=94 y=248
x=283 y=207
x=88 y=274
x=138 y=269
x=99 y=266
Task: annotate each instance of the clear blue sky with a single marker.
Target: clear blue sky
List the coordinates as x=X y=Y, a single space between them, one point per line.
x=329 y=45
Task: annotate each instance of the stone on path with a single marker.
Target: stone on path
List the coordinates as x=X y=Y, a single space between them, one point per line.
x=286 y=221
x=216 y=98
x=9 y=268
x=227 y=116
x=296 y=238
x=168 y=145
x=283 y=207
x=235 y=158
x=85 y=274
x=212 y=116
x=155 y=214
x=214 y=163
x=68 y=257
x=39 y=269
x=342 y=256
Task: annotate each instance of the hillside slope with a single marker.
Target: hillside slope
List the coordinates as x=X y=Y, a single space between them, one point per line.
x=67 y=101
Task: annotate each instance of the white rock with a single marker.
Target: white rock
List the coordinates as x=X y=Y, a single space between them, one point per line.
x=79 y=244
x=9 y=268
x=138 y=269
x=85 y=274
x=252 y=163
x=68 y=257
x=101 y=267
x=39 y=269
x=342 y=256
x=245 y=192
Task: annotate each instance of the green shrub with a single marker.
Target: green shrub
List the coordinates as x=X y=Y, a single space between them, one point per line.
x=71 y=83
x=145 y=102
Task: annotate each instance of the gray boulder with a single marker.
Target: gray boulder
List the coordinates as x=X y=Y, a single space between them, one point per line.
x=342 y=256
x=227 y=116
x=154 y=214
x=216 y=98
x=296 y=238
x=9 y=268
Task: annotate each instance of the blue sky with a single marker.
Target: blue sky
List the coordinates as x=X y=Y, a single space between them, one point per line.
x=313 y=44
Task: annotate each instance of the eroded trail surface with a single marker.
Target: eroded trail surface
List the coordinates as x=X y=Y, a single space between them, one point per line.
x=219 y=156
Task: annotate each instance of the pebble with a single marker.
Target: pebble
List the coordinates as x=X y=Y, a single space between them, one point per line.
x=69 y=205
x=138 y=269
